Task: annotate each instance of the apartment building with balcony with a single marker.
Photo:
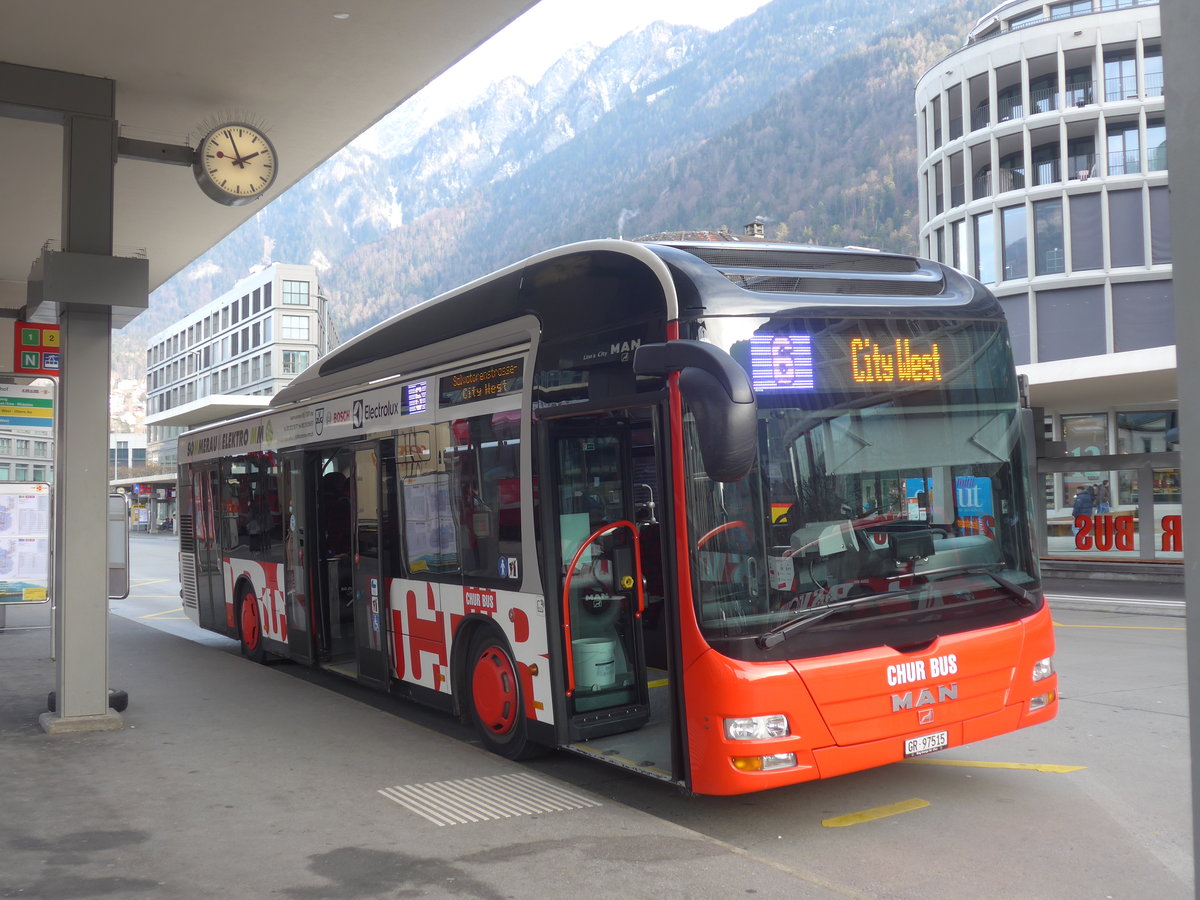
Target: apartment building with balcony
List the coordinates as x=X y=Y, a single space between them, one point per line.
x=231 y=355
x=1043 y=173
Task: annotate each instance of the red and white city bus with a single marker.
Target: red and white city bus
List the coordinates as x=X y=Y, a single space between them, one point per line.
x=732 y=514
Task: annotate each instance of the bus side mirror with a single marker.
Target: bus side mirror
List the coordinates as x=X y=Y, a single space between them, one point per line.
x=719 y=394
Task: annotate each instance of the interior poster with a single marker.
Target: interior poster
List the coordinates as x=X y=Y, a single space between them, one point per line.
x=24 y=542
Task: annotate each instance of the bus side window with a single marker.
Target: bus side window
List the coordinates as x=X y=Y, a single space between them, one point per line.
x=485 y=489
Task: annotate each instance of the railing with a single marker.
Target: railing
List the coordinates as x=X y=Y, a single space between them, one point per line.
x=1124 y=162
x=1102 y=7
x=1081 y=166
x=1154 y=84
x=1081 y=93
x=1010 y=179
x=1047 y=172
x=1043 y=100
x=1009 y=108
x=1123 y=87
x=981 y=186
x=956 y=128
x=981 y=117
x=1156 y=158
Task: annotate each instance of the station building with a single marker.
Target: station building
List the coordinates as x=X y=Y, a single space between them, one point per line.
x=1043 y=173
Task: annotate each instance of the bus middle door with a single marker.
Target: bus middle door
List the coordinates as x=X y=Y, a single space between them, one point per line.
x=600 y=579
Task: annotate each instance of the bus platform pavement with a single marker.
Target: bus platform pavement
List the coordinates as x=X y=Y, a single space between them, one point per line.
x=232 y=779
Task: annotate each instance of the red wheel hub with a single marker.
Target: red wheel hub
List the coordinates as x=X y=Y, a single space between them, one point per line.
x=494 y=691
x=250 y=630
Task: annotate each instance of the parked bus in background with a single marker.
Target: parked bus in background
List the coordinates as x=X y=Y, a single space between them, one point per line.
x=731 y=514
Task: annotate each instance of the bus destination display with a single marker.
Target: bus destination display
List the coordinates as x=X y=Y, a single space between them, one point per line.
x=483 y=383
x=805 y=362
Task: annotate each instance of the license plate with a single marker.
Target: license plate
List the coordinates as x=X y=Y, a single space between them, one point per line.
x=926 y=743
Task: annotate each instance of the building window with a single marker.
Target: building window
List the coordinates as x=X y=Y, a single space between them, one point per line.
x=1123 y=156
x=295 y=293
x=1016 y=242
x=958 y=245
x=1070 y=8
x=1156 y=145
x=266 y=333
x=22 y=447
x=1049 y=242
x=256 y=335
x=1120 y=75
x=257 y=304
x=266 y=365
x=22 y=473
x=4 y=472
x=294 y=328
x=1153 y=70
x=39 y=473
x=266 y=289
x=39 y=448
x=1045 y=164
x=1008 y=103
x=233 y=344
x=294 y=361
x=985 y=248
x=5 y=446
x=246 y=307
x=233 y=313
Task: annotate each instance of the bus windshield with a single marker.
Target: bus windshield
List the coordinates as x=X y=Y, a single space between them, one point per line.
x=889 y=502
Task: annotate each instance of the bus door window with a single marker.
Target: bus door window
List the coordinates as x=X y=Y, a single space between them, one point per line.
x=602 y=607
x=335 y=517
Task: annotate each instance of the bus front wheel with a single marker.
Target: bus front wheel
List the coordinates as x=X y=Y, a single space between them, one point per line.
x=496 y=706
x=250 y=629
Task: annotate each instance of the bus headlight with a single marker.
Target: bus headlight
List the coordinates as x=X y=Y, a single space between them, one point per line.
x=1043 y=669
x=757 y=728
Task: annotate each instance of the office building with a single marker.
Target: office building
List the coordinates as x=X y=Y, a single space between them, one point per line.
x=1043 y=173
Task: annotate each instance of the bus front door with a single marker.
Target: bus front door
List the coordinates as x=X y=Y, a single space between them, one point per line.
x=600 y=587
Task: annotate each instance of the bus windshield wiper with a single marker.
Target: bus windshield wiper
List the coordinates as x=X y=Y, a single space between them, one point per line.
x=807 y=617
x=1022 y=594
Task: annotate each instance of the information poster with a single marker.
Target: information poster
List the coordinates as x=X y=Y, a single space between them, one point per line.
x=24 y=542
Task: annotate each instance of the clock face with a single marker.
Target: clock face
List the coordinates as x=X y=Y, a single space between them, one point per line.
x=235 y=164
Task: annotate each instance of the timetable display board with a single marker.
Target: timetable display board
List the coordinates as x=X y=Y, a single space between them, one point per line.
x=24 y=542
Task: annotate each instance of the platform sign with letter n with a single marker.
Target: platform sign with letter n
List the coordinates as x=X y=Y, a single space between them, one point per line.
x=37 y=349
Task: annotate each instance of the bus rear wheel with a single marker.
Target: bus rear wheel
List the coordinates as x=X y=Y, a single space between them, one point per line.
x=250 y=629
x=496 y=706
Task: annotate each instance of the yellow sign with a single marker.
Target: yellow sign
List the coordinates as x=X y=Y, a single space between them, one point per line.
x=872 y=365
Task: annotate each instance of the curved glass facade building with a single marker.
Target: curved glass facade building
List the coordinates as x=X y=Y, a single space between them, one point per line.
x=1043 y=173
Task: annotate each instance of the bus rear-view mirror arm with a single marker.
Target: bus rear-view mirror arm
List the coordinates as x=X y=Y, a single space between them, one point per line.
x=718 y=392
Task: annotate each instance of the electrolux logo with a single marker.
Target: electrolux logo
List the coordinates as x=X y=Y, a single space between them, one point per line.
x=319 y=419
x=362 y=412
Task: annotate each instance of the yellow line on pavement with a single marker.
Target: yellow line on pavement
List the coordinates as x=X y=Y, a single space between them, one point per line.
x=1126 y=627
x=879 y=812
x=165 y=612
x=148 y=583
x=972 y=764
